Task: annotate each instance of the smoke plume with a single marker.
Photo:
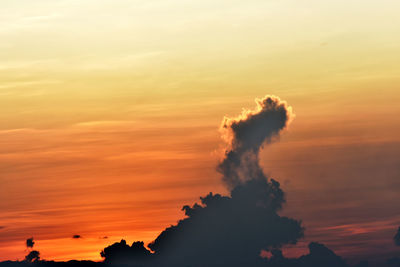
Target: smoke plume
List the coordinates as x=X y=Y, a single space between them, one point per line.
x=229 y=230
x=232 y=230
x=245 y=136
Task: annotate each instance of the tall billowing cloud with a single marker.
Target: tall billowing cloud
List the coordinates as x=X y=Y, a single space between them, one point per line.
x=245 y=136
x=33 y=255
x=233 y=230
x=229 y=230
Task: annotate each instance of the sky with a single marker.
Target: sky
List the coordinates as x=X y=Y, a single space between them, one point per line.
x=110 y=115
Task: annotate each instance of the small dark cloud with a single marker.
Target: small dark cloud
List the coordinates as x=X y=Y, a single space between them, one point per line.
x=76 y=236
x=104 y=237
x=30 y=243
x=2 y=227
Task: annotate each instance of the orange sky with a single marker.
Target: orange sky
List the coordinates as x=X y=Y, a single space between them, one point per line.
x=109 y=118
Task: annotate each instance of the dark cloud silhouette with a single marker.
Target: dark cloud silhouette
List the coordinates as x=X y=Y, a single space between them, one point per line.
x=397 y=237
x=246 y=134
x=318 y=256
x=76 y=236
x=232 y=230
x=122 y=253
x=33 y=256
x=229 y=231
x=30 y=243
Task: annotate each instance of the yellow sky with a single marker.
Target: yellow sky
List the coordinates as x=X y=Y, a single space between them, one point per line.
x=109 y=110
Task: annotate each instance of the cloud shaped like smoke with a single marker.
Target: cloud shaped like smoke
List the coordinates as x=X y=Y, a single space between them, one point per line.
x=30 y=243
x=233 y=230
x=230 y=230
x=246 y=135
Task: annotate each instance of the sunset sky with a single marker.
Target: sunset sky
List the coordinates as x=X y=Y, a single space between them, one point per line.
x=110 y=113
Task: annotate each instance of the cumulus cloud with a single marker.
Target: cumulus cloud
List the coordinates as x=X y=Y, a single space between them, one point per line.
x=220 y=231
x=33 y=256
x=229 y=230
x=232 y=230
x=246 y=134
x=122 y=253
